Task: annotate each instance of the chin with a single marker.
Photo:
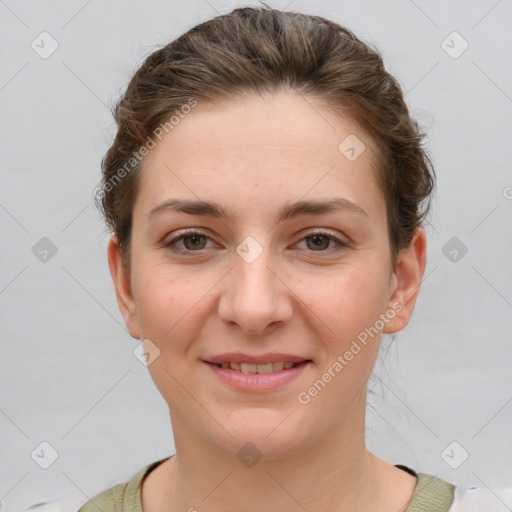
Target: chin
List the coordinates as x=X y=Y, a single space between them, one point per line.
x=270 y=433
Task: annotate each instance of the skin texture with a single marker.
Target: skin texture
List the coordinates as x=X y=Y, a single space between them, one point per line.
x=252 y=156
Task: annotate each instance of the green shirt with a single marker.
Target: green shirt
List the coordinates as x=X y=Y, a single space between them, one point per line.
x=431 y=494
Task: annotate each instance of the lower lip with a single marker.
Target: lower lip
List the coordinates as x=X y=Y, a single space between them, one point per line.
x=257 y=381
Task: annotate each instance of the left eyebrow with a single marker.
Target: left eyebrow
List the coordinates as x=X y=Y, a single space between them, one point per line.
x=288 y=211
x=319 y=207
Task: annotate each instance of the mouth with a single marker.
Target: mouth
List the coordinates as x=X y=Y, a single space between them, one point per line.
x=258 y=377
x=270 y=367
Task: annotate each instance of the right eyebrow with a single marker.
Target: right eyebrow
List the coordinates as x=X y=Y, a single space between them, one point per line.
x=206 y=208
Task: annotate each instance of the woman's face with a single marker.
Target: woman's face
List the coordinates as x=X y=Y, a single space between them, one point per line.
x=299 y=265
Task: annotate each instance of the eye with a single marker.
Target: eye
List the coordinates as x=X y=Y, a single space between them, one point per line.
x=319 y=241
x=192 y=241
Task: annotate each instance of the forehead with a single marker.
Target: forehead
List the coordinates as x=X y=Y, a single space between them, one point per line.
x=284 y=143
x=278 y=120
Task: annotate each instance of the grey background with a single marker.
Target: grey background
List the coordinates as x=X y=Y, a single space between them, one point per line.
x=68 y=375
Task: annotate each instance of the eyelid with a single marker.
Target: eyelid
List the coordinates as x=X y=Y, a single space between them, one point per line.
x=333 y=236
x=326 y=232
x=180 y=234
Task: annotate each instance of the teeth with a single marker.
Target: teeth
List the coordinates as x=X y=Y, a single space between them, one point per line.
x=259 y=368
x=249 y=367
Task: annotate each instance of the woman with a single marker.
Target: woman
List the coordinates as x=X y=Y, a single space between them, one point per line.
x=266 y=191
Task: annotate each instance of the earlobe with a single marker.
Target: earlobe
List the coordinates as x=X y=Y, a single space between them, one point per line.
x=122 y=285
x=406 y=282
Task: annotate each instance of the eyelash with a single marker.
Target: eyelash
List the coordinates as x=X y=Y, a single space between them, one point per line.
x=191 y=232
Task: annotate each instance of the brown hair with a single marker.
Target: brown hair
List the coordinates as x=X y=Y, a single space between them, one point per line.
x=264 y=50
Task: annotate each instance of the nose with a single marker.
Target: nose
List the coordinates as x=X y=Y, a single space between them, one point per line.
x=255 y=296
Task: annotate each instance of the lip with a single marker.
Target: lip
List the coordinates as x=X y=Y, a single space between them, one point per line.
x=258 y=382
x=239 y=357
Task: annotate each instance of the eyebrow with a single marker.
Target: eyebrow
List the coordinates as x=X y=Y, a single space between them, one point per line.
x=288 y=211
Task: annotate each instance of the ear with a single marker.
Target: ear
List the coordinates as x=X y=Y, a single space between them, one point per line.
x=406 y=280
x=122 y=284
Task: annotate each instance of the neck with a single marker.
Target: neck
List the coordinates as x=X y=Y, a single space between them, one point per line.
x=334 y=472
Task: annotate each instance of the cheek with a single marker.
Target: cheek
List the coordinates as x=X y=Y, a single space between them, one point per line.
x=163 y=299
x=347 y=300
x=169 y=309
x=173 y=305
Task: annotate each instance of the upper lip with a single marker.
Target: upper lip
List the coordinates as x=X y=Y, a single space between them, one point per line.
x=238 y=357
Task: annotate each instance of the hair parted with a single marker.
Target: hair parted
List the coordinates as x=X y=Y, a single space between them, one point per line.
x=265 y=50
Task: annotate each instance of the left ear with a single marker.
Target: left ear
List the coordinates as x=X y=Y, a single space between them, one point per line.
x=407 y=280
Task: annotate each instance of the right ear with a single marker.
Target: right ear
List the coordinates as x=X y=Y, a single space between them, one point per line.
x=122 y=285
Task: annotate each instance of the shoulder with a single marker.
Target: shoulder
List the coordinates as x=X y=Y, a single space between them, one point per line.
x=111 y=500
x=434 y=494
x=124 y=497
x=431 y=493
